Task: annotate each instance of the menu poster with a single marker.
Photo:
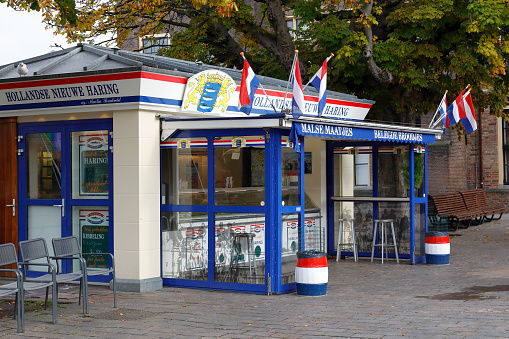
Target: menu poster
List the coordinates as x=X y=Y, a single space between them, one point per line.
x=95 y=236
x=93 y=150
x=292 y=236
x=195 y=249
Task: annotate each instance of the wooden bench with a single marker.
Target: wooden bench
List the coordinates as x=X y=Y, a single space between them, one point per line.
x=477 y=199
x=453 y=206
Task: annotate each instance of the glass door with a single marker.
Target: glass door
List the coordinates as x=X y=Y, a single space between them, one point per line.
x=64 y=174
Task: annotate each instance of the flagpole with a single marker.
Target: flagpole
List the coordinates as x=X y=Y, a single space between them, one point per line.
x=328 y=58
x=288 y=83
x=467 y=89
x=263 y=89
x=271 y=103
x=438 y=109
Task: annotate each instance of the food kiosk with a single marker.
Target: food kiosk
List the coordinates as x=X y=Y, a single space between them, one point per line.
x=152 y=156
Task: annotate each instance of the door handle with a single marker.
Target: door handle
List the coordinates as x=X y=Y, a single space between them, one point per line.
x=13 y=207
x=62 y=207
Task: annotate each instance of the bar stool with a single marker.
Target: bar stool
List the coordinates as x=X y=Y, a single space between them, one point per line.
x=383 y=243
x=237 y=250
x=340 y=238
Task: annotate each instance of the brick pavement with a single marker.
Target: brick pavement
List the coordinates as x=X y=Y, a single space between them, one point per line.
x=468 y=298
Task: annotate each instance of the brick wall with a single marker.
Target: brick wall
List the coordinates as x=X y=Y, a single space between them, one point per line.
x=489 y=151
x=438 y=168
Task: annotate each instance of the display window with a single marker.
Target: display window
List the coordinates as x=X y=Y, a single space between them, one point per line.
x=219 y=219
x=240 y=248
x=184 y=175
x=190 y=224
x=184 y=245
x=239 y=171
x=354 y=164
x=290 y=168
x=364 y=188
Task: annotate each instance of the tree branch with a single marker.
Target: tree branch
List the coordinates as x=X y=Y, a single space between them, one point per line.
x=384 y=77
x=284 y=48
x=232 y=46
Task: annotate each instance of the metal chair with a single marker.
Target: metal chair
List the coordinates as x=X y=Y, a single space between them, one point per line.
x=8 y=256
x=34 y=249
x=69 y=247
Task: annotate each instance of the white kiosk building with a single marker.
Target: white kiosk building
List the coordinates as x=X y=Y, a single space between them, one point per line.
x=149 y=158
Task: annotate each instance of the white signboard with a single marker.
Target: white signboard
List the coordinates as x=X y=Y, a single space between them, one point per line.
x=208 y=92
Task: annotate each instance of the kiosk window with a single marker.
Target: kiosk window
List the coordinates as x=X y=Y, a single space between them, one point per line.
x=184 y=245
x=43 y=165
x=290 y=169
x=362 y=169
x=240 y=171
x=184 y=172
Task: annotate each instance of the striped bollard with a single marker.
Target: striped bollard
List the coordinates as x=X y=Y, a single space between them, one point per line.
x=311 y=273
x=437 y=248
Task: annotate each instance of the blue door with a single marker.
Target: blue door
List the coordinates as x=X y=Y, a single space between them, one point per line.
x=65 y=186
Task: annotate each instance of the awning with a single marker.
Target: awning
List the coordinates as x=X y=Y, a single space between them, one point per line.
x=315 y=127
x=376 y=132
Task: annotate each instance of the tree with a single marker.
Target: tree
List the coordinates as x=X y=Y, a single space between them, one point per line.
x=403 y=54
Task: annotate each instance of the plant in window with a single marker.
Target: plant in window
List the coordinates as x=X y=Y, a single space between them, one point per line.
x=418 y=171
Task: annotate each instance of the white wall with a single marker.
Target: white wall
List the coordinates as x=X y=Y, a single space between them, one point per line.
x=136 y=194
x=314 y=183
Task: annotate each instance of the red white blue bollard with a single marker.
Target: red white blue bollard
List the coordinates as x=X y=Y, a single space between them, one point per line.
x=311 y=273
x=437 y=248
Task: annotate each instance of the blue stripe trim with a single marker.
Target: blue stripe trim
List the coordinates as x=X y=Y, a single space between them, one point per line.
x=311 y=289
x=162 y=101
x=437 y=259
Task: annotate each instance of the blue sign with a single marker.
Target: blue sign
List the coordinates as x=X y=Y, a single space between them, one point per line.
x=345 y=132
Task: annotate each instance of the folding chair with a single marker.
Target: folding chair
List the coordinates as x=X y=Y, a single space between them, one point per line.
x=34 y=249
x=8 y=256
x=70 y=247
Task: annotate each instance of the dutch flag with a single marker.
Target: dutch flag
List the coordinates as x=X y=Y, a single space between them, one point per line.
x=248 y=86
x=319 y=82
x=467 y=114
x=453 y=111
x=462 y=109
x=298 y=93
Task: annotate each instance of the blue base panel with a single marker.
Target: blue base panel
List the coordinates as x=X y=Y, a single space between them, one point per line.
x=311 y=289
x=437 y=259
